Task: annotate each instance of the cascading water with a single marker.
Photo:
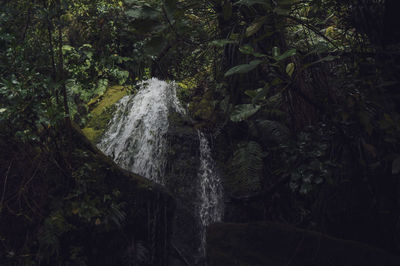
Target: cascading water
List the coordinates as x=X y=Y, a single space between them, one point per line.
x=136 y=136
x=137 y=140
x=211 y=205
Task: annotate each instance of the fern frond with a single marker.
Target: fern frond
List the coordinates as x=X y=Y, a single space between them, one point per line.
x=246 y=165
x=243 y=111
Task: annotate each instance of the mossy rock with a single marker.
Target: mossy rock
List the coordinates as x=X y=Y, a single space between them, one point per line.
x=92 y=134
x=101 y=111
x=111 y=95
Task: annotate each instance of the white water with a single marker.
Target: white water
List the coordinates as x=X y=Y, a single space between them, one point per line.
x=136 y=139
x=211 y=205
x=136 y=136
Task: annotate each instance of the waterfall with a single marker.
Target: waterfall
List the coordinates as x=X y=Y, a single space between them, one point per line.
x=211 y=201
x=136 y=135
x=136 y=138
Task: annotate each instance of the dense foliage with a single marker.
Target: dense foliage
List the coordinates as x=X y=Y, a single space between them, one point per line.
x=301 y=97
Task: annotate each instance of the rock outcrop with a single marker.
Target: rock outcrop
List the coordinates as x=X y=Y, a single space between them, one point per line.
x=69 y=204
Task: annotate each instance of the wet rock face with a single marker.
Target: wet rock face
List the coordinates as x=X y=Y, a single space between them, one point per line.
x=181 y=179
x=182 y=159
x=264 y=244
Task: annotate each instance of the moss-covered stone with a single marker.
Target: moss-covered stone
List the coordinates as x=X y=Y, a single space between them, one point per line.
x=101 y=111
x=92 y=134
x=181 y=178
x=112 y=95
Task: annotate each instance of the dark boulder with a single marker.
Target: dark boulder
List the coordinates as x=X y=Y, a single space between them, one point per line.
x=265 y=243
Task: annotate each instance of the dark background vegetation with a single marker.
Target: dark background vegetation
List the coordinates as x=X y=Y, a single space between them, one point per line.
x=301 y=99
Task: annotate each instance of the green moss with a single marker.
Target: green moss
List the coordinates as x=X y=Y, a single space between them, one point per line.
x=92 y=134
x=111 y=96
x=100 y=121
x=102 y=109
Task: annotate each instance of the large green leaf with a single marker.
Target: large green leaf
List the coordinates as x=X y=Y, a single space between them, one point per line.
x=246 y=166
x=248 y=49
x=290 y=69
x=324 y=59
x=258 y=95
x=243 y=111
x=241 y=69
x=68 y=49
x=285 y=55
x=221 y=43
x=143 y=13
x=256 y=26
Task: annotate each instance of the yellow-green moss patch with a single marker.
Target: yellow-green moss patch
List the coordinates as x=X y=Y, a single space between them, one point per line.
x=111 y=96
x=92 y=134
x=102 y=108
